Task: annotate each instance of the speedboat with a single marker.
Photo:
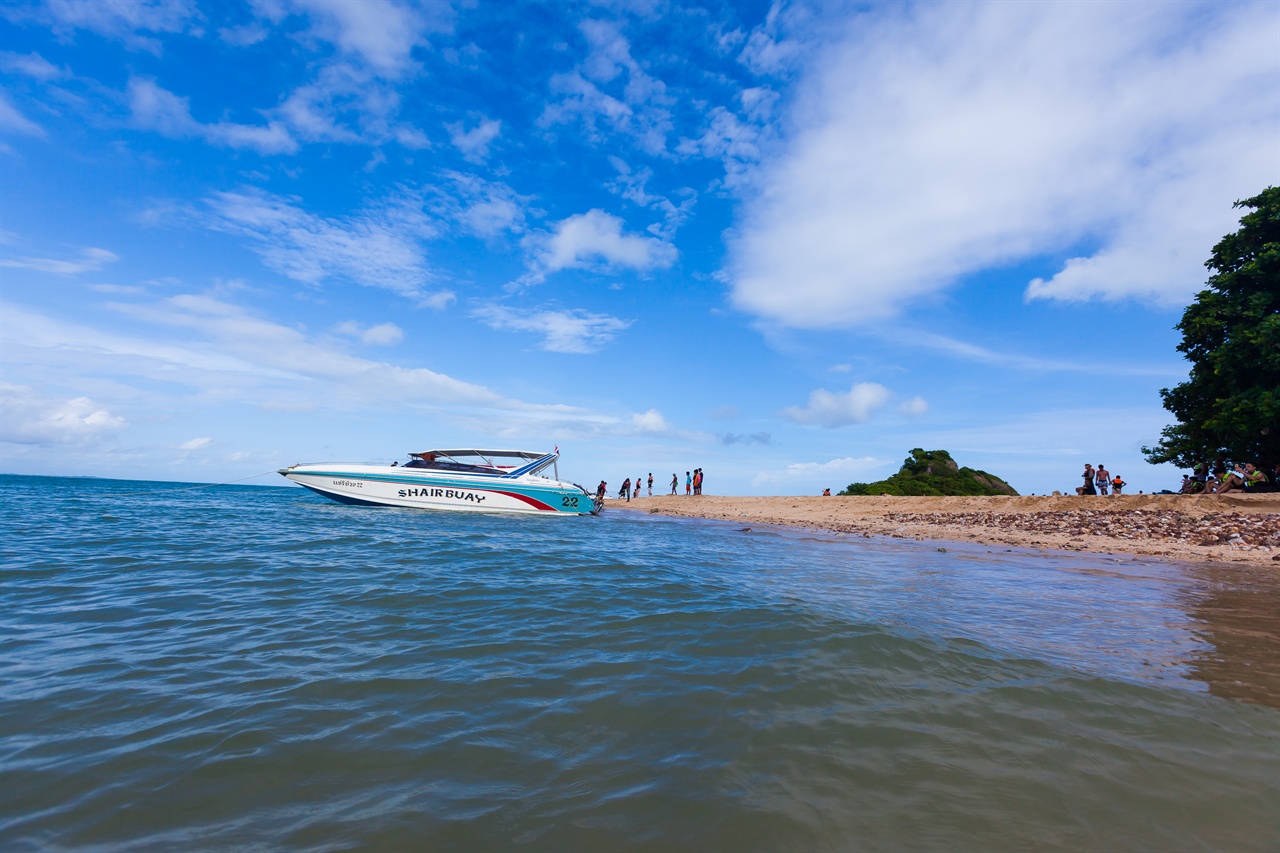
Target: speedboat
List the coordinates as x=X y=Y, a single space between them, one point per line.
x=468 y=480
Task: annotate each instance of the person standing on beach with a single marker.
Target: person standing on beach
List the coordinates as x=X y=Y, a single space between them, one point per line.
x=1101 y=477
x=625 y=491
x=688 y=484
x=639 y=485
x=697 y=481
x=675 y=481
x=650 y=484
x=1087 y=488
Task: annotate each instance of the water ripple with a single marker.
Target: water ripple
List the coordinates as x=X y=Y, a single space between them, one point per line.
x=240 y=667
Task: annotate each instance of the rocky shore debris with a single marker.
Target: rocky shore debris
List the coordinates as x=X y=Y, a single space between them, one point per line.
x=1230 y=529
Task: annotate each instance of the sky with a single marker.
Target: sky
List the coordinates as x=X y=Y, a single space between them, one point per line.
x=786 y=243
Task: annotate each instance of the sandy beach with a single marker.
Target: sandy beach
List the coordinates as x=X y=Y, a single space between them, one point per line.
x=1229 y=528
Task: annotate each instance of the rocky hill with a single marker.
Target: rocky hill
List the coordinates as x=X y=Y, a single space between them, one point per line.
x=934 y=473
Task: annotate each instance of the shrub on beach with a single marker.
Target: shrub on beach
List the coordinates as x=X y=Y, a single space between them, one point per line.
x=933 y=473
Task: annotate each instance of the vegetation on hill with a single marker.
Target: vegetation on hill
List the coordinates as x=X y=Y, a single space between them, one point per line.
x=934 y=473
x=1230 y=405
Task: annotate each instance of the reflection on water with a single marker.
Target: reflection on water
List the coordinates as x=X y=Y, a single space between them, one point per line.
x=1236 y=612
x=1205 y=626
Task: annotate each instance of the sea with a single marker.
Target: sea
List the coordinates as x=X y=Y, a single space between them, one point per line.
x=188 y=667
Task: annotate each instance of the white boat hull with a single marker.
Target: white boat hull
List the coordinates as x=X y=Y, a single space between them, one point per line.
x=377 y=485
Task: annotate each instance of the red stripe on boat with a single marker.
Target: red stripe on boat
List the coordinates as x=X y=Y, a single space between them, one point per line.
x=534 y=502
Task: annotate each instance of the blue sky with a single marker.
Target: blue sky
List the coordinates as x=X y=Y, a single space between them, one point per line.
x=785 y=243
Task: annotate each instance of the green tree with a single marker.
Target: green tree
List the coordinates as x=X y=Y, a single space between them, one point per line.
x=1230 y=405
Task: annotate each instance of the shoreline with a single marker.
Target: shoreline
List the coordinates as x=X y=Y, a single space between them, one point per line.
x=1235 y=528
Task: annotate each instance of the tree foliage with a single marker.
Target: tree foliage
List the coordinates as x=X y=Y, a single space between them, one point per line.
x=1230 y=405
x=933 y=472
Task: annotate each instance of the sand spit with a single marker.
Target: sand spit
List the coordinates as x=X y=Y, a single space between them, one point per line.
x=1231 y=528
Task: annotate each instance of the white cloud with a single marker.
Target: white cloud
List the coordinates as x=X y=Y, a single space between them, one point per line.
x=572 y=331
x=937 y=141
x=382 y=335
x=381 y=33
x=828 y=409
x=379 y=248
x=160 y=110
x=474 y=143
x=651 y=421
x=29 y=418
x=91 y=260
x=196 y=443
x=914 y=407
x=596 y=236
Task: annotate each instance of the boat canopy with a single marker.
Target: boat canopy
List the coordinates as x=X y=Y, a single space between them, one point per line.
x=462 y=460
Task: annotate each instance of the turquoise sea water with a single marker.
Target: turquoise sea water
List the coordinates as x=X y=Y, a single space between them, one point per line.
x=236 y=667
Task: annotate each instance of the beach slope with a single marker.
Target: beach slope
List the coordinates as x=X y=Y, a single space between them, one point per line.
x=1235 y=527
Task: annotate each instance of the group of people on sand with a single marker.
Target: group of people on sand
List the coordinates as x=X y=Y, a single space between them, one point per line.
x=1098 y=480
x=1218 y=480
x=692 y=485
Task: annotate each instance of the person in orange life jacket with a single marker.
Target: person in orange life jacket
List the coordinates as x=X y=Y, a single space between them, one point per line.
x=1116 y=485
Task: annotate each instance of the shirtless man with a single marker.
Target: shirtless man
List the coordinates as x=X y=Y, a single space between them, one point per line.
x=1101 y=477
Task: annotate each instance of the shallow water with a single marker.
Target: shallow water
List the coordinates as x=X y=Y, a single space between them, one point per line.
x=228 y=667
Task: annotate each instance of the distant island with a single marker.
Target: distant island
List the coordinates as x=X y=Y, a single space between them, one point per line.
x=933 y=473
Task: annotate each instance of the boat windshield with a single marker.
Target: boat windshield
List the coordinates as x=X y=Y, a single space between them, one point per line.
x=510 y=463
x=445 y=465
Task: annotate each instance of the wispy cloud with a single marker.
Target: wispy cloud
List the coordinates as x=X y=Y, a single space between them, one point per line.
x=381 y=247
x=474 y=143
x=610 y=93
x=13 y=121
x=221 y=351
x=162 y=111
x=732 y=438
x=30 y=65
x=91 y=260
x=483 y=207
x=381 y=335
x=566 y=331
x=381 y=34
x=932 y=142
x=134 y=23
x=817 y=475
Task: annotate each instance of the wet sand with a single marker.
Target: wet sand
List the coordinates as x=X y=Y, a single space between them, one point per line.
x=1229 y=528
